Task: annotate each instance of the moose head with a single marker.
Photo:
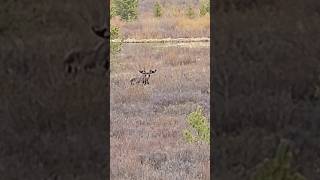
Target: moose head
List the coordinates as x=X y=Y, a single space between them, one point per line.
x=144 y=78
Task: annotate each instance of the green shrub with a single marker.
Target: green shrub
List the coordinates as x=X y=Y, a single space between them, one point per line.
x=190 y=12
x=278 y=168
x=113 y=11
x=126 y=9
x=204 y=7
x=115 y=34
x=157 y=10
x=199 y=124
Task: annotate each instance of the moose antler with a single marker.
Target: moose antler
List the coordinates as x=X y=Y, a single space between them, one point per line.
x=101 y=32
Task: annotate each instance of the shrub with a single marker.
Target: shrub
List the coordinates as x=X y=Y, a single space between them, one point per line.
x=190 y=12
x=278 y=168
x=113 y=11
x=204 y=7
x=115 y=34
x=200 y=125
x=126 y=9
x=157 y=10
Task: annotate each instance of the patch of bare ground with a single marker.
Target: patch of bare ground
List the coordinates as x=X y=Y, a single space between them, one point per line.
x=147 y=121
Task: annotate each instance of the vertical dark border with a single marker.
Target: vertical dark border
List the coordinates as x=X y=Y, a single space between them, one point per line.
x=212 y=67
x=107 y=10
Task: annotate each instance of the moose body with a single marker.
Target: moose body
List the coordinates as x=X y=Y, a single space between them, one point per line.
x=89 y=59
x=143 y=78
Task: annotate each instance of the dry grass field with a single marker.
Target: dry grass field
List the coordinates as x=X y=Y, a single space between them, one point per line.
x=147 y=121
x=174 y=21
x=168 y=26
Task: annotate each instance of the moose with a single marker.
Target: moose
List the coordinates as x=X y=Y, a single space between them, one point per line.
x=101 y=32
x=143 y=78
x=88 y=59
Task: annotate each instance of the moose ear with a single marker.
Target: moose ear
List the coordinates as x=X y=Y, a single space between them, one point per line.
x=141 y=72
x=154 y=71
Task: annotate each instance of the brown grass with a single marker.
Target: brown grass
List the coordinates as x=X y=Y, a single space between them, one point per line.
x=199 y=24
x=172 y=26
x=147 y=122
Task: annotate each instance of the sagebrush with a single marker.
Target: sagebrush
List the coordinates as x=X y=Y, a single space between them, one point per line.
x=200 y=130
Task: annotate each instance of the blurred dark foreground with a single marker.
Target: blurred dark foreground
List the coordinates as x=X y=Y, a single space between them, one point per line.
x=53 y=125
x=266 y=86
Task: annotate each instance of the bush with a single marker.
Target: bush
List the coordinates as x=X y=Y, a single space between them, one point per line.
x=200 y=125
x=204 y=7
x=113 y=11
x=157 y=10
x=278 y=168
x=115 y=34
x=126 y=9
x=190 y=12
